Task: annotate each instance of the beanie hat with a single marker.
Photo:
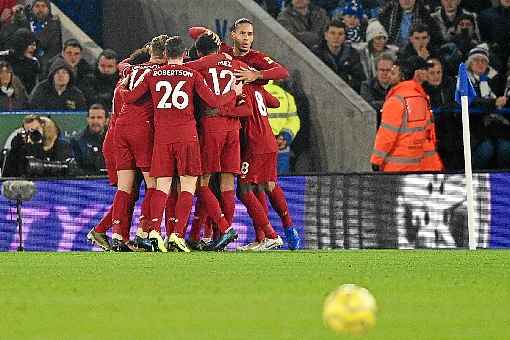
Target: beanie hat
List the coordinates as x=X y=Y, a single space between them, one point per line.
x=478 y=51
x=411 y=65
x=375 y=29
x=353 y=8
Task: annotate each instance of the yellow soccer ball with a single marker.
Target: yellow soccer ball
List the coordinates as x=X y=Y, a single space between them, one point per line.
x=350 y=309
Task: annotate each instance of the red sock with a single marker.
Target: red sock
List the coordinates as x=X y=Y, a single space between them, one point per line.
x=170 y=212
x=279 y=203
x=182 y=211
x=215 y=230
x=261 y=196
x=255 y=209
x=158 y=202
x=259 y=232
x=199 y=218
x=131 y=209
x=105 y=223
x=212 y=206
x=145 y=213
x=208 y=229
x=228 y=205
x=120 y=212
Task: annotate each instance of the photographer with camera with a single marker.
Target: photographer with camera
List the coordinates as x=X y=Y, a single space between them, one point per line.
x=37 y=150
x=88 y=147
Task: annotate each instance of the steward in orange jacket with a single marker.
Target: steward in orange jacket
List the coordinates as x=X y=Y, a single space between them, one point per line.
x=406 y=139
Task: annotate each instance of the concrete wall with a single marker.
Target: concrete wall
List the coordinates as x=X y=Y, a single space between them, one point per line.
x=70 y=30
x=342 y=124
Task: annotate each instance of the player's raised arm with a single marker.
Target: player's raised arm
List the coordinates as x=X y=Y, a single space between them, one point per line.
x=210 y=98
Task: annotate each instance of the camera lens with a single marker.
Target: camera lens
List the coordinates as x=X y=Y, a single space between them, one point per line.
x=35 y=136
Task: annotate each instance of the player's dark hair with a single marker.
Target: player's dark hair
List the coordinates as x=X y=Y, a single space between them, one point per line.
x=240 y=22
x=174 y=47
x=336 y=23
x=158 y=45
x=72 y=43
x=206 y=44
x=140 y=56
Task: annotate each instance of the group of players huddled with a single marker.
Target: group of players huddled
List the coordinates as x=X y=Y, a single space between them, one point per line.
x=190 y=120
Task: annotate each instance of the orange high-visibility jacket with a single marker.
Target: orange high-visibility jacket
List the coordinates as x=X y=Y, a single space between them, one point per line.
x=406 y=139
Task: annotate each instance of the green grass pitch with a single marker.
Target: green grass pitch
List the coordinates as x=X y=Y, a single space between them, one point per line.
x=276 y=295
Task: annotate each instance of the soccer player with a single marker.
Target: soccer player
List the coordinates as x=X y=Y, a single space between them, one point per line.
x=134 y=134
x=97 y=235
x=219 y=138
x=262 y=69
x=176 y=147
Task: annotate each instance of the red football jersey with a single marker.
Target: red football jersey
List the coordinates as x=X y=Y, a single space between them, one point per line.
x=218 y=71
x=270 y=69
x=257 y=135
x=141 y=110
x=173 y=88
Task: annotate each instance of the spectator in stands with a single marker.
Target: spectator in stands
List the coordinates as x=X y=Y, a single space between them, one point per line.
x=88 y=148
x=374 y=90
x=72 y=55
x=13 y=95
x=329 y=5
x=98 y=87
x=40 y=139
x=447 y=16
x=465 y=38
x=376 y=44
x=305 y=21
x=494 y=26
x=273 y=7
x=490 y=130
x=45 y=26
x=21 y=56
x=477 y=6
x=398 y=17
x=355 y=22
x=340 y=56
x=6 y=7
x=285 y=123
x=419 y=44
x=406 y=139
x=441 y=90
x=58 y=91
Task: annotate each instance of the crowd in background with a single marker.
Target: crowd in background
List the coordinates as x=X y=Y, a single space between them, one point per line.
x=362 y=41
x=365 y=41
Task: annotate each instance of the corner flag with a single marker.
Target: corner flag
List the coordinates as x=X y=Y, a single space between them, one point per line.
x=464 y=94
x=464 y=86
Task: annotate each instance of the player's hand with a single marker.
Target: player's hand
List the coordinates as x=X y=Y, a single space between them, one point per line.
x=238 y=88
x=248 y=75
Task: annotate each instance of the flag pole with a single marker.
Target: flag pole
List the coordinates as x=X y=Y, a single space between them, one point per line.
x=469 y=173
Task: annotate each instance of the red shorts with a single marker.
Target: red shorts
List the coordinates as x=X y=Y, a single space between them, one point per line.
x=221 y=152
x=259 y=169
x=176 y=159
x=133 y=146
